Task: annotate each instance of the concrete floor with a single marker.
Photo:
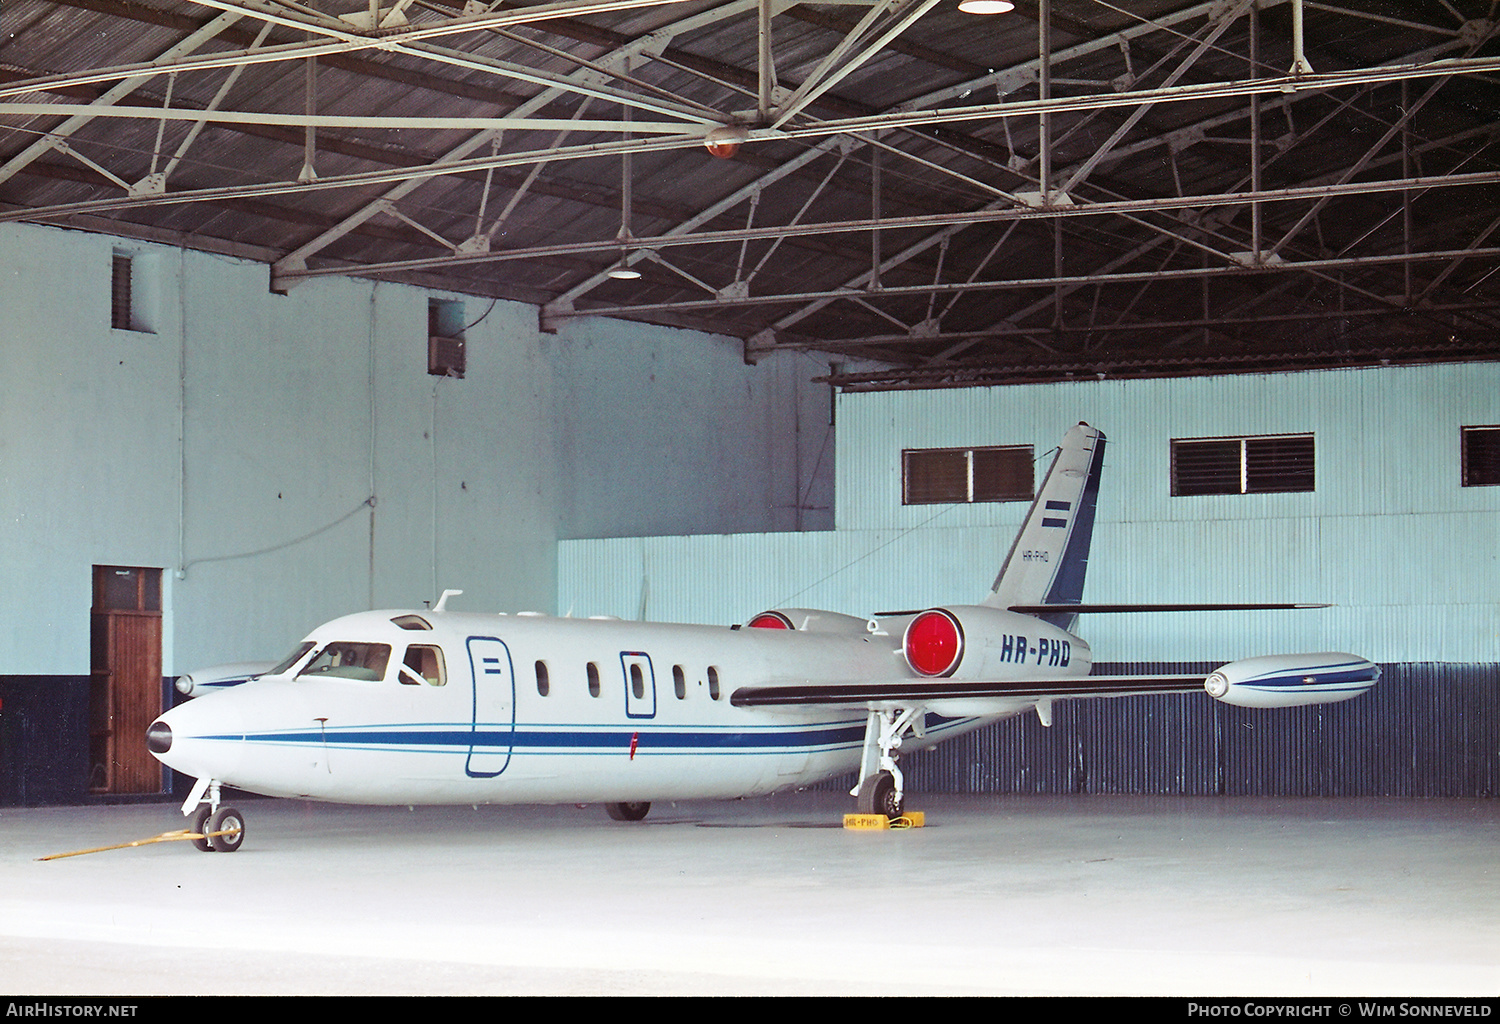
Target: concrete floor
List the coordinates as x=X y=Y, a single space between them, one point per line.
x=1009 y=895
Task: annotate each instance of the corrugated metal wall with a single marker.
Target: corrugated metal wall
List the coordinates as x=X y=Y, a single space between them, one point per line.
x=1427 y=730
x=44 y=740
x=1386 y=438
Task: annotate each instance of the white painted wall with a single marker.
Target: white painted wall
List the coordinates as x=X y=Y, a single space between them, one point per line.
x=1409 y=556
x=237 y=445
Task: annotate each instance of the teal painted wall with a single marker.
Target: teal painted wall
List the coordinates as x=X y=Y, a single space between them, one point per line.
x=238 y=442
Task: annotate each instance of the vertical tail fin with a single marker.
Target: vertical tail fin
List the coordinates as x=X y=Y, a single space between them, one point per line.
x=1050 y=554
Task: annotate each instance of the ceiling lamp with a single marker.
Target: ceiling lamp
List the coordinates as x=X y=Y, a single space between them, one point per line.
x=725 y=141
x=623 y=271
x=986 y=6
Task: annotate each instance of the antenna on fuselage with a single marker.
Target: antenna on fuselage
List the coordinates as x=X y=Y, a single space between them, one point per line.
x=442 y=604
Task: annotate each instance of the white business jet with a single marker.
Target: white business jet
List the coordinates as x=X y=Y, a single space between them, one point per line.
x=444 y=707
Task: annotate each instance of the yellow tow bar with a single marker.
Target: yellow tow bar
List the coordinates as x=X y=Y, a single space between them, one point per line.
x=166 y=837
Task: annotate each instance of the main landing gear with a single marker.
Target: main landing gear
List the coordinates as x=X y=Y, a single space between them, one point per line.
x=222 y=828
x=627 y=812
x=881 y=786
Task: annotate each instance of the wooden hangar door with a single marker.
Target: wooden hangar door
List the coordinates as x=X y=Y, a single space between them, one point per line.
x=125 y=693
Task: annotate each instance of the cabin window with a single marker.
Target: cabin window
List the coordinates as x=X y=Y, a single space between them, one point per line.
x=1481 y=456
x=347 y=660
x=637 y=681
x=543 y=683
x=1243 y=465
x=713 y=682
x=423 y=664
x=945 y=476
x=679 y=682
x=593 y=673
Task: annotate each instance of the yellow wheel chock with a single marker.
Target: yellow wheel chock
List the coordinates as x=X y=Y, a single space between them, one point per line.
x=879 y=822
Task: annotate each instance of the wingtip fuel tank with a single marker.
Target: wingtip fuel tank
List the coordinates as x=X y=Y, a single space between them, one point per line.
x=1292 y=680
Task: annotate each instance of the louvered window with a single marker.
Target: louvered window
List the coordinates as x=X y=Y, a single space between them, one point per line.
x=1481 y=456
x=1243 y=465
x=933 y=476
x=120 y=307
x=134 y=287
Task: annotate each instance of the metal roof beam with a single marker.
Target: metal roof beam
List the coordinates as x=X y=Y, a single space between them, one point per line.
x=403 y=40
x=453 y=164
x=1216 y=27
x=682 y=235
x=1077 y=174
x=283 y=270
x=834 y=68
x=114 y=95
x=1045 y=283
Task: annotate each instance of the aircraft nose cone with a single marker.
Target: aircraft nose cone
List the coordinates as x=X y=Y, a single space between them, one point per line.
x=159 y=737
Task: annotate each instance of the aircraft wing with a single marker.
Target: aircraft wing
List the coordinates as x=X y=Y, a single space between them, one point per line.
x=1083 y=609
x=926 y=691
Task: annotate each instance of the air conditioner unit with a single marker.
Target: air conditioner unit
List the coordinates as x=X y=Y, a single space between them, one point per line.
x=445 y=356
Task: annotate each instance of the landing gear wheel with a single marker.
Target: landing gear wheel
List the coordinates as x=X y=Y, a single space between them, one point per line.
x=199 y=825
x=230 y=820
x=877 y=795
x=627 y=812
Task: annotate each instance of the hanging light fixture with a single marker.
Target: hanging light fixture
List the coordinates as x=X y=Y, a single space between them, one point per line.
x=986 y=6
x=623 y=271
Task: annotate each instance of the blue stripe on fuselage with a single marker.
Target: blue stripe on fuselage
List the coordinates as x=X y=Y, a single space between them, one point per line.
x=545 y=740
x=541 y=740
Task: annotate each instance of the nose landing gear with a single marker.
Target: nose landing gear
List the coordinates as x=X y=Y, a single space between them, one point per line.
x=219 y=829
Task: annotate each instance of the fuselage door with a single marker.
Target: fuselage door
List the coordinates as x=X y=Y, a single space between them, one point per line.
x=493 y=727
x=640 y=684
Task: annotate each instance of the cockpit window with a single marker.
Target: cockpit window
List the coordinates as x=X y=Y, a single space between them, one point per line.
x=412 y=622
x=347 y=660
x=422 y=664
x=292 y=659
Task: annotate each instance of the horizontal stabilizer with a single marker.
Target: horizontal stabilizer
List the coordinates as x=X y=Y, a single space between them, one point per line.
x=924 y=691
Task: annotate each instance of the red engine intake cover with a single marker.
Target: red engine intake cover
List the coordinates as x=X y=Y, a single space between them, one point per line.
x=771 y=620
x=934 y=643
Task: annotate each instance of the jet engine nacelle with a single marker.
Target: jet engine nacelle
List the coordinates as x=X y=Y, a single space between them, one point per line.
x=979 y=642
x=1291 y=680
x=220 y=677
x=809 y=620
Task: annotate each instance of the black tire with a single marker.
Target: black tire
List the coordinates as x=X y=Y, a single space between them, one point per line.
x=877 y=795
x=226 y=818
x=200 y=826
x=627 y=812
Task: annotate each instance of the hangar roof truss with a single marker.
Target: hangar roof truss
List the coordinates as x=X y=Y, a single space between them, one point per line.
x=1078 y=188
